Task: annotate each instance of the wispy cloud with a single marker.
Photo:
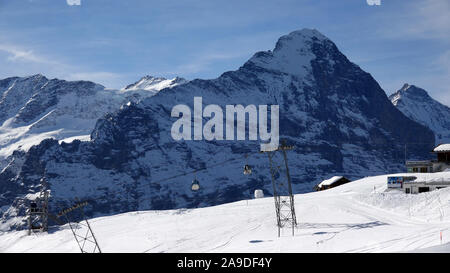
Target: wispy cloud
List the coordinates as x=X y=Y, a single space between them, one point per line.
x=73 y=2
x=440 y=79
x=202 y=62
x=428 y=19
x=21 y=59
x=433 y=19
x=444 y=62
x=16 y=54
x=108 y=79
x=227 y=53
x=396 y=41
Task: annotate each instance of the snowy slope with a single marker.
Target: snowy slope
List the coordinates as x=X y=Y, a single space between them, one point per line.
x=417 y=104
x=335 y=114
x=360 y=216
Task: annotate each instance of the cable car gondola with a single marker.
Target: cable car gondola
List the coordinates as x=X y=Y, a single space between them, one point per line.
x=195 y=186
x=247 y=169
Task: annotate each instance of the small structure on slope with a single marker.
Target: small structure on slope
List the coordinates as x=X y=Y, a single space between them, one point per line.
x=259 y=194
x=331 y=183
x=396 y=182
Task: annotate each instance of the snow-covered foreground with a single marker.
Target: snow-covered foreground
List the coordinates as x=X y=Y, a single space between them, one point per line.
x=357 y=217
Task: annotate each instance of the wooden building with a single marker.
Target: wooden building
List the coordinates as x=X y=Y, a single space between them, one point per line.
x=443 y=158
x=331 y=183
x=440 y=164
x=419 y=166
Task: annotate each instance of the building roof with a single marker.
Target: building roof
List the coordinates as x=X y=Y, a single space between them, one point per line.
x=329 y=181
x=419 y=163
x=440 y=178
x=432 y=181
x=442 y=148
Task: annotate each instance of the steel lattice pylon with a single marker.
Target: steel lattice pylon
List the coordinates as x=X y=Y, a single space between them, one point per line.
x=81 y=230
x=38 y=210
x=282 y=188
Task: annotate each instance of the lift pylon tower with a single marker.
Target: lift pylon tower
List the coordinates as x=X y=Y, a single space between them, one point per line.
x=282 y=188
x=82 y=231
x=38 y=210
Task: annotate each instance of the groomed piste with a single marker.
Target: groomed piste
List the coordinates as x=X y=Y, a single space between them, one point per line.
x=361 y=216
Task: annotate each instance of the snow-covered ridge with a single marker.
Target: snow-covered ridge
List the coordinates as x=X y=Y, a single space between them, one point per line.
x=417 y=104
x=292 y=54
x=154 y=84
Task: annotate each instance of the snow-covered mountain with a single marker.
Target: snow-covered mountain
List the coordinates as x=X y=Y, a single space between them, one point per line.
x=417 y=104
x=35 y=108
x=335 y=114
x=154 y=84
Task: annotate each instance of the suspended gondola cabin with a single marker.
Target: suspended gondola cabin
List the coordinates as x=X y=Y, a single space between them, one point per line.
x=247 y=170
x=195 y=186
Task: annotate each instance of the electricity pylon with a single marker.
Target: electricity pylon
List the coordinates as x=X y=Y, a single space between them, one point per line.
x=82 y=231
x=282 y=188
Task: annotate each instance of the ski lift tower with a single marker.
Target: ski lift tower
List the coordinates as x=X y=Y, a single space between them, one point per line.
x=282 y=188
x=38 y=210
x=81 y=230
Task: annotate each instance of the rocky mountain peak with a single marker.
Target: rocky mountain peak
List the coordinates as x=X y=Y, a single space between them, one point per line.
x=417 y=104
x=411 y=92
x=152 y=83
x=294 y=52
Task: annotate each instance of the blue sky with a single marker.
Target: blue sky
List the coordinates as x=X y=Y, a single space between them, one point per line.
x=117 y=42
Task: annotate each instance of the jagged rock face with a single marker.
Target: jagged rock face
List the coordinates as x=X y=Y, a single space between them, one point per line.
x=26 y=99
x=34 y=108
x=335 y=114
x=416 y=104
